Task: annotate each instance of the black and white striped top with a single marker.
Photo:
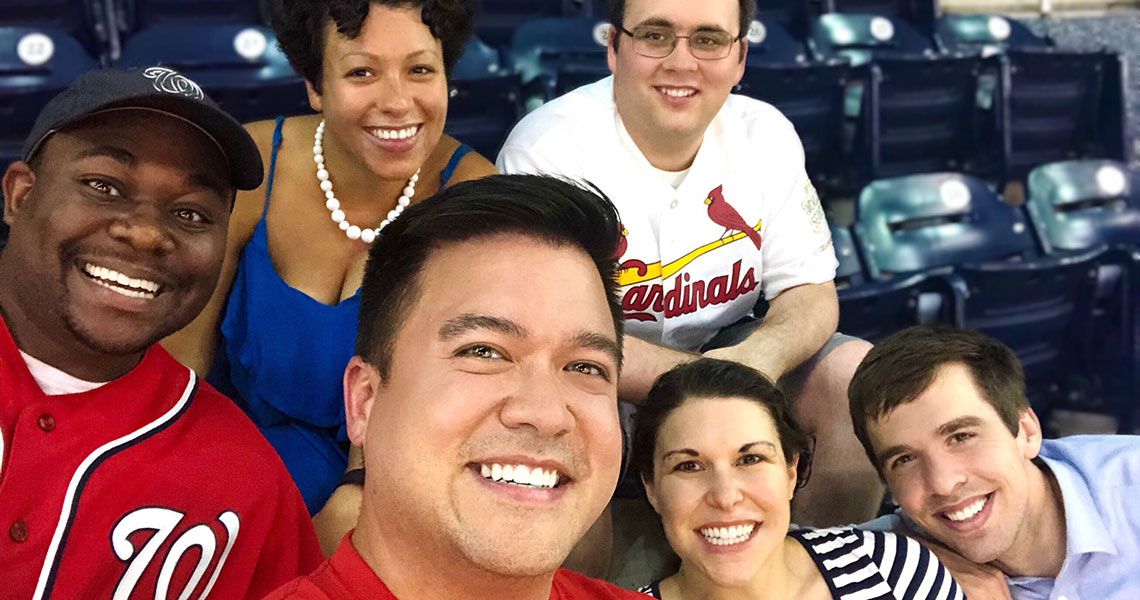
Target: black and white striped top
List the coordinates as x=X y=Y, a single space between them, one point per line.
x=871 y=565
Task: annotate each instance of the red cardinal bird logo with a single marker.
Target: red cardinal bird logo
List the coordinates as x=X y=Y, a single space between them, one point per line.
x=622 y=246
x=722 y=213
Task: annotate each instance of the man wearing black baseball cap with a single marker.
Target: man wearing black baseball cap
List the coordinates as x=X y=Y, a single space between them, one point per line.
x=121 y=474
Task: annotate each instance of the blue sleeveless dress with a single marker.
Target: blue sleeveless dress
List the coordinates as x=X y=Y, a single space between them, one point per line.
x=282 y=357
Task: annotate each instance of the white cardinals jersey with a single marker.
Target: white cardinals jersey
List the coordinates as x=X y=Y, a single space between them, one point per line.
x=744 y=221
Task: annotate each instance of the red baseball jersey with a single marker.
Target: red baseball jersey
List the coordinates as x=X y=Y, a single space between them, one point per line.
x=346 y=576
x=153 y=485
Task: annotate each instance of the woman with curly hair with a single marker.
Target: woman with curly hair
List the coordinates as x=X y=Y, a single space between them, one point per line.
x=280 y=327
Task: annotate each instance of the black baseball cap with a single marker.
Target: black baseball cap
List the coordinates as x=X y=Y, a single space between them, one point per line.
x=158 y=89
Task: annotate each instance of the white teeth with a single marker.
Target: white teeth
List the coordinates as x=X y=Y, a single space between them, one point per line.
x=396 y=134
x=127 y=286
x=678 y=92
x=727 y=536
x=968 y=512
x=521 y=475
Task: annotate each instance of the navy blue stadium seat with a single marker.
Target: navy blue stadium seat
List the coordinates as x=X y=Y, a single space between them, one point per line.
x=811 y=96
x=30 y=75
x=956 y=227
x=1055 y=106
x=572 y=77
x=862 y=38
x=1078 y=206
x=497 y=20
x=985 y=34
x=918 y=115
x=542 y=48
x=223 y=45
x=482 y=110
x=478 y=60
x=919 y=13
x=771 y=43
x=86 y=21
x=872 y=310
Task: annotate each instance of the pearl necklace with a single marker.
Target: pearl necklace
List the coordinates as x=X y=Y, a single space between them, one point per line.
x=367 y=234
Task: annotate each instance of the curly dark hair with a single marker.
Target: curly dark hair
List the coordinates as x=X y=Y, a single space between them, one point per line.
x=300 y=28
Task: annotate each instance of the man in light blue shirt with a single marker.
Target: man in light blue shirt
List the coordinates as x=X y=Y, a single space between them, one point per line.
x=943 y=416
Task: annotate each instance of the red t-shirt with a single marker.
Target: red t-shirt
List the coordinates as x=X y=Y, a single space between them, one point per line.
x=152 y=485
x=346 y=576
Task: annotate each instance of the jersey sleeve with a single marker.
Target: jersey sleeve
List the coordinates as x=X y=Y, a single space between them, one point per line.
x=911 y=570
x=540 y=146
x=797 y=242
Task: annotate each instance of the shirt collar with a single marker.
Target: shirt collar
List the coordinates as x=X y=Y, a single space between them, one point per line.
x=1085 y=532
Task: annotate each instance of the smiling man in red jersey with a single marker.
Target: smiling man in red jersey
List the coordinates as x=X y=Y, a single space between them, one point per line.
x=121 y=474
x=721 y=215
x=484 y=396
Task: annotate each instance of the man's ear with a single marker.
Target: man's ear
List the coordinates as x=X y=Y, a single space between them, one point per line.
x=17 y=184
x=314 y=96
x=611 y=48
x=361 y=384
x=1029 y=433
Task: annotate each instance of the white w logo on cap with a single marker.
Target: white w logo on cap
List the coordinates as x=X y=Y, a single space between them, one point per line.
x=173 y=82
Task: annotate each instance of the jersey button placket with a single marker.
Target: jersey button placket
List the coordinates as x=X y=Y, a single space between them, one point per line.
x=18 y=531
x=46 y=423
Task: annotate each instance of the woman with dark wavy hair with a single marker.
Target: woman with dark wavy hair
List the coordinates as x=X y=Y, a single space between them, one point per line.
x=281 y=325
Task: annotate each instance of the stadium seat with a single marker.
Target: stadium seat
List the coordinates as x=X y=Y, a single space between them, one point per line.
x=1055 y=106
x=872 y=310
x=497 y=20
x=540 y=49
x=985 y=34
x=86 y=21
x=572 y=77
x=862 y=38
x=35 y=64
x=957 y=228
x=223 y=45
x=478 y=60
x=770 y=43
x=811 y=97
x=1078 y=206
x=918 y=115
x=481 y=111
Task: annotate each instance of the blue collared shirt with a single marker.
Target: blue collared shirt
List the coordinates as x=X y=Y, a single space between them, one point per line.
x=1099 y=478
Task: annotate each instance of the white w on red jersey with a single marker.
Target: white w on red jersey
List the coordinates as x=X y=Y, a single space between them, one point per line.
x=150 y=486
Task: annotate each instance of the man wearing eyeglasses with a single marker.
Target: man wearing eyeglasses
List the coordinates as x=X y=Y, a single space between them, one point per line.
x=718 y=214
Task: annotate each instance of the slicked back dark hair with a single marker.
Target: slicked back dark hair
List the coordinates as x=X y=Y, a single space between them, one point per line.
x=616 y=12
x=901 y=367
x=713 y=378
x=300 y=28
x=551 y=210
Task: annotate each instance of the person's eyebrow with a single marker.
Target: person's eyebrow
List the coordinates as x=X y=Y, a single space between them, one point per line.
x=106 y=151
x=683 y=451
x=748 y=447
x=661 y=22
x=958 y=424
x=596 y=341
x=418 y=53
x=466 y=323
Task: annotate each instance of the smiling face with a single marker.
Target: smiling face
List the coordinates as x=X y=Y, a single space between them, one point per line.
x=722 y=487
x=956 y=469
x=663 y=100
x=384 y=93
x=116 y=241
x=494 y=444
